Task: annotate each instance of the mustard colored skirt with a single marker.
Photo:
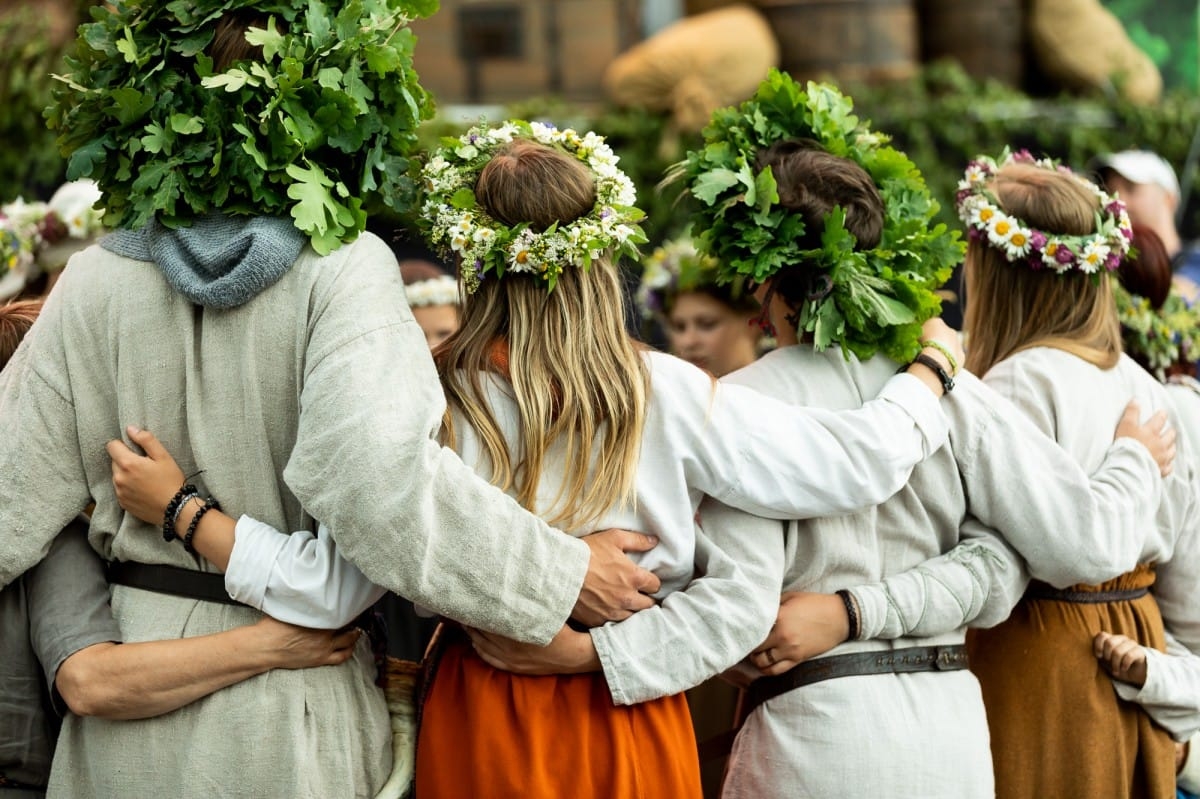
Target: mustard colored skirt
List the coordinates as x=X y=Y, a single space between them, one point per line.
x=1058 y=728
x=489 y=733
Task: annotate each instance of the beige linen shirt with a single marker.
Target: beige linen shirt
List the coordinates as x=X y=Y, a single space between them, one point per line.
x=315 y=399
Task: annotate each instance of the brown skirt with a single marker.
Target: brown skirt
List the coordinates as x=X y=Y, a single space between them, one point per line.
x=489 y=733
x=1058 y=728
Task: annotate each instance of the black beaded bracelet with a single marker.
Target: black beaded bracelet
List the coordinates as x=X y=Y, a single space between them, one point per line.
x=186 y=492
x=209 y=504
x=851 y=614
x=946 y=380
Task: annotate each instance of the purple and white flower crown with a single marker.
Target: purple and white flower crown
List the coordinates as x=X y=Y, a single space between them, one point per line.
x=986 y=221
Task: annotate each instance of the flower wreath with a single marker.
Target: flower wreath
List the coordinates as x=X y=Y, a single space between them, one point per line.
x=456 y=224
x=441 y=290
x=1020 y=243
x=28 y=230
x=869 y=300
x=677 y=266
x=1163 y=337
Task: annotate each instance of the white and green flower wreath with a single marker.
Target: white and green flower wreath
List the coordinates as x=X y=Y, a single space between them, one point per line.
x=441 y=290
x=456 y=224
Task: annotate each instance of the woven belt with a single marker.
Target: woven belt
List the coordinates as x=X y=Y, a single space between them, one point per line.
x=884 y=661
x=1038 y=590
x=205 y=586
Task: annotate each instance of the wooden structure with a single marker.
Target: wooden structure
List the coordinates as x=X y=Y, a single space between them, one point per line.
x=496 y=51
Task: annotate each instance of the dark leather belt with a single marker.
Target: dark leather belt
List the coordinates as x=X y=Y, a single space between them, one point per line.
x=1038 y=590
x=884 y=661
x=206 y=586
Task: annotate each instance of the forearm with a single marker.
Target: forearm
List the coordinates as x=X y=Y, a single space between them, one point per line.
x=214 y=535
x=132 y=681
x=854 y=459
x=711 y=624
x=977 y=583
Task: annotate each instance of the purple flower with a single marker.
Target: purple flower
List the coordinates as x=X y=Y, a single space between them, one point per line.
x=974 y=234
x=1037 y=240
x=1127 y=232
x=1112 y=261
x=1114 y=208
x=1023 y=156
x=474 y=137
x=1035 y=262
x=606 y=213
x=961 y=195
x=1064 y=255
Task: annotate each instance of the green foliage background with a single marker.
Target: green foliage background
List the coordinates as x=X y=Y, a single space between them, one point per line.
x=1167 y=31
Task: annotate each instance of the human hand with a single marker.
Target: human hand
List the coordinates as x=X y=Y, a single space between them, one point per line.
x=569 y=652
x=146 y=483
x=615 y=587
x=291 y=647
x=1124 y=659
x=808 y=625
x=1155 y=435
x=936 y=329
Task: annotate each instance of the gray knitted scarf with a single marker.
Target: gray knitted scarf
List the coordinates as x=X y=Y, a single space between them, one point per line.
x=219 y=261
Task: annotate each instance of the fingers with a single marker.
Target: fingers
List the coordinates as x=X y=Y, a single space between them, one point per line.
x=629 y=541
x=120 y=453
x=647 y=582
x=148 y=442
x=346 y=639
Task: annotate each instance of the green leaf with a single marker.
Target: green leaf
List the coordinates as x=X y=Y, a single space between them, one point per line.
x=127 y=47
x=130 y=105
x=156 y=139
x=707 y=186
x=230 y=81
x=269 y=39
x=463 y=199
x=314 y=202
x=182 y=123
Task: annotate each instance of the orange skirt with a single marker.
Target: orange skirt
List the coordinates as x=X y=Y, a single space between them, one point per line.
x=1058 y=728
x=489 y=733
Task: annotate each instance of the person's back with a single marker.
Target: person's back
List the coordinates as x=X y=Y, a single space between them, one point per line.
x=929 y=726
x=223 y=387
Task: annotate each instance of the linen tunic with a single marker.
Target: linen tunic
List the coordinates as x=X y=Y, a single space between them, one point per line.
x=1110 y=749
x=921 y=569
x=699 y=438
x=317 y=398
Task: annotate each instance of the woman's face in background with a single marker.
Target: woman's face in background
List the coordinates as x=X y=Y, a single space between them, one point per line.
x=438 y=322
x=707 y=332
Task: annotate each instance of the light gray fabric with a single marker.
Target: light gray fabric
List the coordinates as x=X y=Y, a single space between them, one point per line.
x=308 y=733
x=317 y=398
x=218 y=261
x=58 y=608
x=921 y=568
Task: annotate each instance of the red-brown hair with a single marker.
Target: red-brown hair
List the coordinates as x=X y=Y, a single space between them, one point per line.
x=15 y=320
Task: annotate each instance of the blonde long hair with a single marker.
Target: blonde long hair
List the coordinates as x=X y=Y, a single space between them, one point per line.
x=1011 y=307
x=576 y=375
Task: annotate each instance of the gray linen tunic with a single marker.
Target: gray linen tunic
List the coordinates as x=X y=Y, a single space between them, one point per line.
x=317 y=398
x=921 y=568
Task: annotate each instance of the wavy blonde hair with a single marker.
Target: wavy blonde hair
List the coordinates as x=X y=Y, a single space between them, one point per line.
x=576 y=375
x=1011 y=307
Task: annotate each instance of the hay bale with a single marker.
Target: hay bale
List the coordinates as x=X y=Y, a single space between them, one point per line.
x=1083 y=46
x=695 y=65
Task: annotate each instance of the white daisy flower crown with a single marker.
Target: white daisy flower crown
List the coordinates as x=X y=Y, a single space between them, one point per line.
x=1022 y=244
x=455 y=223
x=442 y=290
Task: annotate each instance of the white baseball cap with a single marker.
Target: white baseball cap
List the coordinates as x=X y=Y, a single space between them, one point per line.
x=1141 y=166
